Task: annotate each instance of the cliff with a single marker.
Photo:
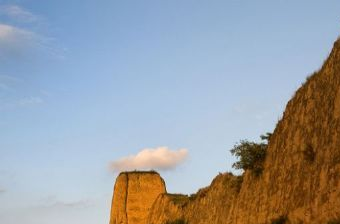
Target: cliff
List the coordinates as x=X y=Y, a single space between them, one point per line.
x=134 y=194
x=209 y=205
x=301 y=178
x=300 y=182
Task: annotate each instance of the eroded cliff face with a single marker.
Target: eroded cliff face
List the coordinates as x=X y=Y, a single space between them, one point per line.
x=209 y=205
x=301 y=179
x=301 y=176
x=134 y=194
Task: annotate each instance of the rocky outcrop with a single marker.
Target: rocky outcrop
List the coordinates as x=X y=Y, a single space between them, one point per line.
x=300 y=182
x=301 y=179
x=209 y=205
x=134 y=194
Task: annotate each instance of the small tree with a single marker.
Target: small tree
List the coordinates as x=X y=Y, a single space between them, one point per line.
x=177 y=221
x=280 y=220
x=251 y=155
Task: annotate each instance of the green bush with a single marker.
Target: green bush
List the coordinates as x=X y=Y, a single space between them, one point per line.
x=179 y=199
x=177 y=221
x=335 y=221
x=251 y=155
x=308 y=153
x=236 y=184
x=280 y=220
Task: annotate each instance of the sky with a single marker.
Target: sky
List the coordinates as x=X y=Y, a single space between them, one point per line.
x=92 y=88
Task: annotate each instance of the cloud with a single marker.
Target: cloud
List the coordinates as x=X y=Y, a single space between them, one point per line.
x=29 y=101
x=2 y=190
x=17 y=13
x=4 y=86
x=9 y=97
x=10 y=33
x=24 y=102
x=53 y=202
x=161 y=158
x=72 y=204
x=16 y=41
x=6 y=82
x=9 y=78
x=21 y=33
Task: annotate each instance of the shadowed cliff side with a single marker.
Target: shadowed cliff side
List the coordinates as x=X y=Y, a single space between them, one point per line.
x=134 y=194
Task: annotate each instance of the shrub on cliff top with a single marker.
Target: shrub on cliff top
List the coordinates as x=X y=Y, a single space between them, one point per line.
x=280 y=220
x=179 y=199
x=236 y=184
x=337 y=221
x=177 y=221
x=251 y=154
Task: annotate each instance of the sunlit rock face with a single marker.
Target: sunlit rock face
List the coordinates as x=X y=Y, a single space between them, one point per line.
x=209 y=205
x=301 y=177
x=134 y=194
x=300 y=182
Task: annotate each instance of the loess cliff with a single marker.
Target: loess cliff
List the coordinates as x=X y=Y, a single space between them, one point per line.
x=209 y=205
x=134 y=194
x=301 y=178
x=300 y=183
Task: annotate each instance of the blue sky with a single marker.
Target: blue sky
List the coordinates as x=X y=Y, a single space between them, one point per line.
x=83 y=84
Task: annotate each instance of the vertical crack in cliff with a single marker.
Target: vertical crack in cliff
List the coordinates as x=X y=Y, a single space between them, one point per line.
x=126 y=198
x=134 y=194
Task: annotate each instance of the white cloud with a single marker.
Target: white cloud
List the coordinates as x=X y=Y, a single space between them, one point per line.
x=32 y=100
x=10 y=33
x=6 y=82
x=17 y=13
x=20 y=103
x=5 y=87
x=14 y=40
x=72 y=204
x=9 y=78
x=52 y=202
x=161 y=158
x=9 y=97
x=21 y=33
